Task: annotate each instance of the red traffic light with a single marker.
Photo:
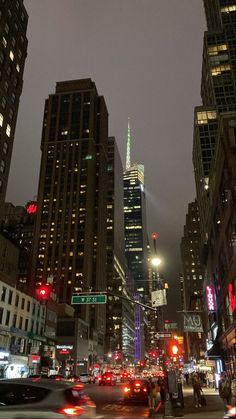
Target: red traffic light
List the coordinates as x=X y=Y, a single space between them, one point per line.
x=174 y=348
x=43 y=291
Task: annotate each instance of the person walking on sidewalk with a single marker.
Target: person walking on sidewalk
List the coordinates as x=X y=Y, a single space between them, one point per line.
x=197 y=388
x=233 y=391
x=225 y=390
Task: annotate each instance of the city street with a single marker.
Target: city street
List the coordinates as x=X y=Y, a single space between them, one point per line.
x=109 y=402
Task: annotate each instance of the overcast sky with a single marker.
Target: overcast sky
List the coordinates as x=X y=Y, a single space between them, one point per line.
x=145 y=57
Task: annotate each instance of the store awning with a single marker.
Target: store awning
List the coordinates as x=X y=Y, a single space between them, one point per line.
x=215 y=351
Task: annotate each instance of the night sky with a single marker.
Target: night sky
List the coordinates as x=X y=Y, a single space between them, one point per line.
x=145 y=57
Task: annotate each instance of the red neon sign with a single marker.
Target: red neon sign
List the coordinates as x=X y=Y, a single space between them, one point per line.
x=210 y=296
x=232 y=298
x=31 y=207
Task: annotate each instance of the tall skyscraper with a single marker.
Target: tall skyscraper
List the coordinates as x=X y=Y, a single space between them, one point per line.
x=120 y=312
x=135 y=222
x=13 y=51
x=71 y=225
x=190 y=255
x=214 y=159
x=136 y=241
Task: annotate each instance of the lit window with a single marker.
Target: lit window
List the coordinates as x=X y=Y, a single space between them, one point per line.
x=8 y=130
x=4 y=102
x=1 y=120
x=11 y=55
x=18 y=68
x=216 y=71
x=228 y=9
x=6 y=28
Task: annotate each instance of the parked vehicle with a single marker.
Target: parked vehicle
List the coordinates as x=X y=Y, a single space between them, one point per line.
x=44 y=399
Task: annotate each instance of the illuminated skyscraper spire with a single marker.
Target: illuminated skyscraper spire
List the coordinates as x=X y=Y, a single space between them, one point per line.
x=128 y=164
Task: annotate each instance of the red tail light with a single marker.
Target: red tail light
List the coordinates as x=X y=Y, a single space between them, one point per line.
x=71 y=411
x=145 y=390
x=108 y=378
x=137 y=384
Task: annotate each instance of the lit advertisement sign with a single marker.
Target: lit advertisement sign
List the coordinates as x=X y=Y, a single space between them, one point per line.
x=232 y=297
x=210 y=296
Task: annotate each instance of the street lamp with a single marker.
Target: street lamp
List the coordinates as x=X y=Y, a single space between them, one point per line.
x=155 y=261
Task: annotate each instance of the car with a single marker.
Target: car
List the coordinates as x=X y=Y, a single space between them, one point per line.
x=44 y=399
x=125 y=376
x=73 y=378
x=84 y=378
x=107 y=379
x=56 y=377
x=136 y=390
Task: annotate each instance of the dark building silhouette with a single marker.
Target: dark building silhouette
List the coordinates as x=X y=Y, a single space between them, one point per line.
x=71 y=224
x=214 y=167
x=13 y=51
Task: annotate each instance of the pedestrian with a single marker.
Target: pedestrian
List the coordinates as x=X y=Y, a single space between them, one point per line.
x=187 y=378
x=233 y=391
x=153 y=397
x=225 y=390
x=197 y=388
x=162 y=387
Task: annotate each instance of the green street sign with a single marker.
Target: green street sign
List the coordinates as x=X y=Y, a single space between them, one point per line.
x=89 y=299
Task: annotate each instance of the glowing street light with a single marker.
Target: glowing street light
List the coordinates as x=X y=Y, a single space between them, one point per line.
x=155 y=261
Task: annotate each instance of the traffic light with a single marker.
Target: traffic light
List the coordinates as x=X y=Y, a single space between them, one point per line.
x=43 y=292
x=174 y=348
x=153 y=354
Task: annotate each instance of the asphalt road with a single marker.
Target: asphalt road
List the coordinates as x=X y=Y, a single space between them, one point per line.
x=110 y=404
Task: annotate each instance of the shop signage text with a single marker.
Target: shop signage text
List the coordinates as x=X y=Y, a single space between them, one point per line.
x=210 y=296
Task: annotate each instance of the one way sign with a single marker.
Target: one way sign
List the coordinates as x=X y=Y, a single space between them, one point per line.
x=161 y=335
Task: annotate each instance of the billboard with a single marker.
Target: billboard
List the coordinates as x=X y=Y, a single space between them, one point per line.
x=192 y=323
x=159 y=298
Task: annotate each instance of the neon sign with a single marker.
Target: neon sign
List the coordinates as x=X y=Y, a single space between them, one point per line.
x=31 y=207
x=210 y=296
x=232 y=298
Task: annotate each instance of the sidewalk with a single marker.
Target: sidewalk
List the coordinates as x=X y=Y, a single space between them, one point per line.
x=213 y=410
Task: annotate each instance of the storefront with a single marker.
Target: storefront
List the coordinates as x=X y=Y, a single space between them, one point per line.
x=4 y=360
x=17 y=367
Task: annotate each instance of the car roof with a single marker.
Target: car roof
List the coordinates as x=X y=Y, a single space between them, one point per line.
x=39 y=382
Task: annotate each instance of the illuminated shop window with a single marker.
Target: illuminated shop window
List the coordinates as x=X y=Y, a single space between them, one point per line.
x=11 y=55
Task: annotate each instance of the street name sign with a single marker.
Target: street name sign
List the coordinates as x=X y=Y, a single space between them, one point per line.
x=161 y=335
x=88 y=299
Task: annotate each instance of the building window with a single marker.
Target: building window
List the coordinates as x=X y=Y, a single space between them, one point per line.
x=28 y=306
x=4 y=291
x=7 y=318
x=10 y=297
x=4 y=102
x=6 y=28
x=6 y=85
x=14 y=320
x=1 y=314
x=13 y=97
x=5 y=147
x=11 y=55
x=20 y=322
x=26 y=324
x=4 y=41
x=22 y=303
x=11 y=113
x=2 y=166
x=18 y=68
x=17 y=300
x=1 y=120
x=8 y=130
x=13 y=41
